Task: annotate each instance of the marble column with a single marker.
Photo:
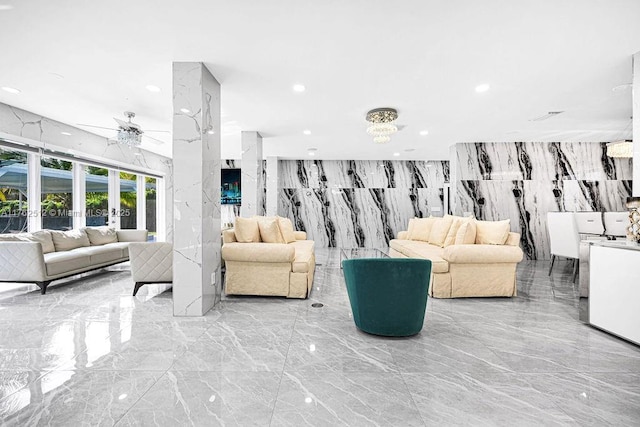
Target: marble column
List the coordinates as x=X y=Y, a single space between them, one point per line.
x=635 y=96
x=272 y=185
x=197 y=281
x=251 y=182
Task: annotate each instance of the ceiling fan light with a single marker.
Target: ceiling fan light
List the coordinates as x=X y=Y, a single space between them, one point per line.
x=129 y=138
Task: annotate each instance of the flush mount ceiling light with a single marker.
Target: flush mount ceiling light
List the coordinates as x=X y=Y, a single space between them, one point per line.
x=382 y=124
x=482 y=88
x=620 y=149
x=299 y=88
x=306 y=132
x=424 y=132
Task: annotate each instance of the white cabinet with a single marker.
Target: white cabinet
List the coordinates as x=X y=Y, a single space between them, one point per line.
x=614 y=295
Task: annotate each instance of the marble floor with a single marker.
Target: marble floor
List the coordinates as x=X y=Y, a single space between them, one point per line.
x=88 y=353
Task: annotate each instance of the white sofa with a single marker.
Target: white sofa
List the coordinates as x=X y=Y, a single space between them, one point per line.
x=43 y=256
x=469 y=258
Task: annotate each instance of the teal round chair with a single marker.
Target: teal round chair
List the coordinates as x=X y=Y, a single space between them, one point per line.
x=388 y=295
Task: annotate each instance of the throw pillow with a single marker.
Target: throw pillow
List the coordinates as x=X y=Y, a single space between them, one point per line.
x=101 y=235
x=422 y=229
x=270 y=230
x=440 y=230
x=44 y=238
x=492 y=232
x=466 y=234
x=411 y=227
x=456 y=223
x=67 y=240
x=246 y=230
x=286 y=228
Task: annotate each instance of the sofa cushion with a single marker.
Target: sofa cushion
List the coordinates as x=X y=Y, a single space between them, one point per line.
x=456 y=223
x=65 y=262
x=270 y=230
x=246 y=230
x=43 y=237
x=439 y=230
x=11 y=237
x=101 y=254
x=421 y=228
x=466 y=234
x=101 y=235
x=413 y=249
x=286 y=228
x=304 y=258
x=67 y=240
x=124 y=246
x=492 y=232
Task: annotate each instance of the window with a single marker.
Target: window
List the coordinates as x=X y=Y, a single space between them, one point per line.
x=97 y=195
x=56 y=191
x=150 y=200
x=128 y=201
x=13 y=191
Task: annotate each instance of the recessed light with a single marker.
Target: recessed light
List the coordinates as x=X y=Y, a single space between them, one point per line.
x=152 y=88
x=482 y=88
x=312 y=153
x=185 y=110
x=6 y=7
x=299 y=88
x=396 y=154
x=424 y=132
x=10 y=89
x=306 y=132
x=66 y=133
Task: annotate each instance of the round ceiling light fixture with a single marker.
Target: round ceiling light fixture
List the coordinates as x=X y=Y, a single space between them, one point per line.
x=382 y=124
x=299 y=88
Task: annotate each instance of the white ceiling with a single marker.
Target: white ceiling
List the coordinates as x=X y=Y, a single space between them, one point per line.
x=88 y=61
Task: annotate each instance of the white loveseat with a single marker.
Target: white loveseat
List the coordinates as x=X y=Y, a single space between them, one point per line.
x=43 y=256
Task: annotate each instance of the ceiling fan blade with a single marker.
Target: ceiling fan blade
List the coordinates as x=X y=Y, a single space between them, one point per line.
x=93 y=126
x=154 y=140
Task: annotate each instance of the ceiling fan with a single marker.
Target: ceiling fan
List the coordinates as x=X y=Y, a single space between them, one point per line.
x=129 y=133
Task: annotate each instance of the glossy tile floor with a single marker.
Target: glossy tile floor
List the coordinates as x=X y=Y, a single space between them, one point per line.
x=88 y=353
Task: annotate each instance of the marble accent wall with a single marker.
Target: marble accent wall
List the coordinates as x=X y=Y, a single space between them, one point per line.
x=197 y=282
x=523 y=181
x=353 y=203
x=41 y=132
x=252 y=175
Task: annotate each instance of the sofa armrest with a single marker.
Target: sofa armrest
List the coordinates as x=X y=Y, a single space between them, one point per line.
x=22 y=262
x=229 y=236
x=403 y=235
x=151 y=261
x=300 y=235
x=258 y=252
x=132 y=235
x=482 y=254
